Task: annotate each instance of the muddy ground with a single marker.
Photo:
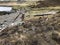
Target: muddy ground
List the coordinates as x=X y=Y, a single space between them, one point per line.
x=33 y=32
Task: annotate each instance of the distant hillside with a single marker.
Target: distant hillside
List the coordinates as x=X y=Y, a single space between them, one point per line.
x=47 y=3
x=53 y=2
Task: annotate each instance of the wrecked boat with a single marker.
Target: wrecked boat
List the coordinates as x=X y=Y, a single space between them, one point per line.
x=6 y=10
